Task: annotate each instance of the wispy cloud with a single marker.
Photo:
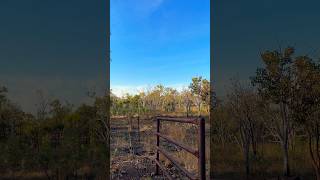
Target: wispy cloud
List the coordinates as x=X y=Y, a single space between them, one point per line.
x=149 y=6
x=137 y=8
x=122 y=90
x=144 y=8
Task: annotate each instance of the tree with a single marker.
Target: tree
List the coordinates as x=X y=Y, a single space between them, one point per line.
x=42 y=106
x=244 y=105
x=200 y=89
x=274 y=83
x=101 y=129
x=205 y=93
x=169 y=98
x=187 y=100
x=306 y=104
x=196 y=87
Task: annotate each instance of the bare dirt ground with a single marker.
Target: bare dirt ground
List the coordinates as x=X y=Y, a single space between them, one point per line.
x=131 y=152
x=129 y=159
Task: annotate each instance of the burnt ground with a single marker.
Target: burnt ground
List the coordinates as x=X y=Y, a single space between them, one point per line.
x=134 y=167
x=129 y=159
x=131 y=153
x=138 y=167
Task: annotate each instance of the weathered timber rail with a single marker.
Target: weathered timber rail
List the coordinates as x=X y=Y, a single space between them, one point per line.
x=200 y=153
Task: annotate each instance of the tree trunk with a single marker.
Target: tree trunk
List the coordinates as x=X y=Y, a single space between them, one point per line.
x=285 y=140
x=187 y=109
x=286 y=168
x=247 y=160
x=318 y=174
x=245 y=138
x=313 y=155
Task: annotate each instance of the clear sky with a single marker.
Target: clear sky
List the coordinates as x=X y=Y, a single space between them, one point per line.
x=243 y=29
x=158 y=41
x=59 y=46
x=56 y=46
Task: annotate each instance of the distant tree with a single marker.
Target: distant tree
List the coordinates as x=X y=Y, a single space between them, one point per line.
x=205 y=93
x=187 y=100
x=196 y=89
x=170 y=99
x=154 y=99
x=3 y=91
x=42 y=105
x=200 y=89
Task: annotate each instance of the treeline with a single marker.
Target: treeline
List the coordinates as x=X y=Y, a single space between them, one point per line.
x=59 y=142
x=281 y=105
x=193 y=100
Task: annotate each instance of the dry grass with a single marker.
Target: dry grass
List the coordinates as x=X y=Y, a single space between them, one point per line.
x=184 y=133
x=229 y=162
x=187 y=134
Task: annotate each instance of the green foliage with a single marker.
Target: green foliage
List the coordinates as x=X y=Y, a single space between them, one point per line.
x=60 y=145
x=161 y=99
x=274 y=80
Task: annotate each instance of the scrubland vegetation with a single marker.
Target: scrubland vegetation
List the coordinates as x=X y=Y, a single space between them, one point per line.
x=163 y=101
x=264 y=129
x=59 y=142
x=270 y=127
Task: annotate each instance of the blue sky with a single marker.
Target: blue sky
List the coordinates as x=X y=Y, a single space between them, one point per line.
x=158 y=41
x=59 y=46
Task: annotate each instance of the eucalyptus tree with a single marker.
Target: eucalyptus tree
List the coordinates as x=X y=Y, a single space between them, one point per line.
x=187 y=100
x=306 y=104
x=274 y=84
x=200 y=89
x=196 y=90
